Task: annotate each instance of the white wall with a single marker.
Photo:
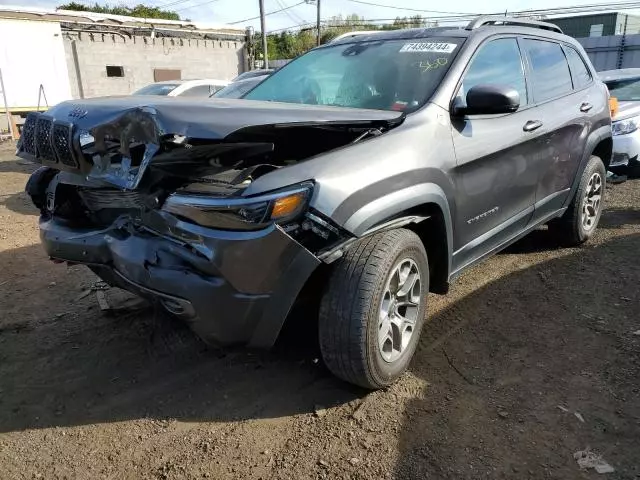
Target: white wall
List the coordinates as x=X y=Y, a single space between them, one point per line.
x=31 y=54
x=139 y=56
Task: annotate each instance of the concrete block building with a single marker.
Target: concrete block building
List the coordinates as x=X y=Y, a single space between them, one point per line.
x=49 y=56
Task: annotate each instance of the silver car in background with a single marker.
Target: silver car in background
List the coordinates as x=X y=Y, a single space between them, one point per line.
x=624 y=86
x=239 y=88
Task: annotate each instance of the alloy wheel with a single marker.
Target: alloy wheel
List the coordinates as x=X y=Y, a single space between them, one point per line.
x=592 y=201
x=399 y=310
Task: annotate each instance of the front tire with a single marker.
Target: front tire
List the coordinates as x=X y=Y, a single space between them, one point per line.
x=580 y=220
x=374 y=308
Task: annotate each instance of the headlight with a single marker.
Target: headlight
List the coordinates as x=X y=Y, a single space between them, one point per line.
x=623 y=127
x=238 y=213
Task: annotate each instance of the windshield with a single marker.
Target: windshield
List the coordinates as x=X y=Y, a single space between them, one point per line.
x=157 y=89
x=383 y=75
x=625 y=90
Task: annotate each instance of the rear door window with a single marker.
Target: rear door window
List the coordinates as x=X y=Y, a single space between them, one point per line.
x=549 y=69
x=497 y=62
x=579 y=71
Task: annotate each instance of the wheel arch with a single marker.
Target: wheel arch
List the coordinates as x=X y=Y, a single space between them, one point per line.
x=599 y=143
x=428 y=215
x=604 y=150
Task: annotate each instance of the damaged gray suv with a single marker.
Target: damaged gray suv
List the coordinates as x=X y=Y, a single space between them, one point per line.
x=379 y=166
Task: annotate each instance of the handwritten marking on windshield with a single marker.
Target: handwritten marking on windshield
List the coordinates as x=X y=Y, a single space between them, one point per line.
x=425 y=66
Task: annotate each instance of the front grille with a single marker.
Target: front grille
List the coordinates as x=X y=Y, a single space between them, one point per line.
x=43 y=139
x=105 y=198
x=28 y=134
x=62 y=144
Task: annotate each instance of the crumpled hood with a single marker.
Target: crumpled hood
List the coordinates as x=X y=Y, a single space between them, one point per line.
x=207 y=118
x=114 y=139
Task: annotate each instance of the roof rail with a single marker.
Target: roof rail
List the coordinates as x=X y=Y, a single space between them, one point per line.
x=523 y=22
x=353 y=34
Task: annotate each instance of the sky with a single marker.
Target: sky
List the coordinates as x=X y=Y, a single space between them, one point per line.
x=227 y=11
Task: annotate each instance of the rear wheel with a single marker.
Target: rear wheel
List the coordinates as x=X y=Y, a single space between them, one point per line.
x=580 y=220
x=374 y=307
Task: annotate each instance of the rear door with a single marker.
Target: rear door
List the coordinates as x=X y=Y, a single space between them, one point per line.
x=496 y=176
x=564 y=103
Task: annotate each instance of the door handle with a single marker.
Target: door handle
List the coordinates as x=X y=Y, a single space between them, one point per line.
x=585 y=107
x=532 y=125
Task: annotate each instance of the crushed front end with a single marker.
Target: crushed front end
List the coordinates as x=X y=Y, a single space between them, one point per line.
x=162 y=214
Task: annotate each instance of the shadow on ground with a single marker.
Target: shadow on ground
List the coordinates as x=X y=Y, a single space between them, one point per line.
x=17 y=165
x=500 y=361
x=620 y=217
x=63 y=362
x=19 y=203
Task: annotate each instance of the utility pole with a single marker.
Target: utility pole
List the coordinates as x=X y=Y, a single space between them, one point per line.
x=318 y=22
x=264 y=36
x=317 y=4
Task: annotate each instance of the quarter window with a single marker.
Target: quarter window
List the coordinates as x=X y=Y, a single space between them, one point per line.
x=550 y=70
x=579 y=71
x=496 y=63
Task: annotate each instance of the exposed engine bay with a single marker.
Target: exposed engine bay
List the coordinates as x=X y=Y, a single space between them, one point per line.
x=124 y=164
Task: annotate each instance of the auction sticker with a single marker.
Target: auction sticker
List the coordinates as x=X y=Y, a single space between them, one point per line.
x=438 y=47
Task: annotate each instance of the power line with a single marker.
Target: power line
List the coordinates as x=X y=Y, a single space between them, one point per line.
x=291 y=14
x=410 y=9
x=626 y=5
x=290 y=27
x=609 y=6
x=197 y=5
x=270 y=13
x=170 y=4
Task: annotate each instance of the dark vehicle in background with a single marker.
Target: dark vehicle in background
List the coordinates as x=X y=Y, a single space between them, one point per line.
x=624 y=87
x=369 y=172
x=254 y=73
x=239 y=88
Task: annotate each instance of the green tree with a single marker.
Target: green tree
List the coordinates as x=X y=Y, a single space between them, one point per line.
x=139 y=10
x=291 y=44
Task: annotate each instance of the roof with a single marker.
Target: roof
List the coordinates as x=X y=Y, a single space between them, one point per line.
x=403 y=34
x=481 y=23
x=103 y=19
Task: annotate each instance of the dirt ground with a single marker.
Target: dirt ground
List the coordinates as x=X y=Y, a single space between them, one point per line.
x=523 y=346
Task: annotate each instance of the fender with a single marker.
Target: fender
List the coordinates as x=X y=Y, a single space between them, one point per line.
x=595 y=137
x=380 y=209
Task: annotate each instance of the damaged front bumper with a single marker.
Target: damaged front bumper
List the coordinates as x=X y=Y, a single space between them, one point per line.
x=230 y=287
x=152 y=197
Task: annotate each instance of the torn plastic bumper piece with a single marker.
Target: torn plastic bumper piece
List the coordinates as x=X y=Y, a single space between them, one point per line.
x=230 y=287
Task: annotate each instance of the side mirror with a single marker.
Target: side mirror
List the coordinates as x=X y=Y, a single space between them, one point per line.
x=490 y=99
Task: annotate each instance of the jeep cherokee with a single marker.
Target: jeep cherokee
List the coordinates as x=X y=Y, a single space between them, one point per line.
x=385 y=164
